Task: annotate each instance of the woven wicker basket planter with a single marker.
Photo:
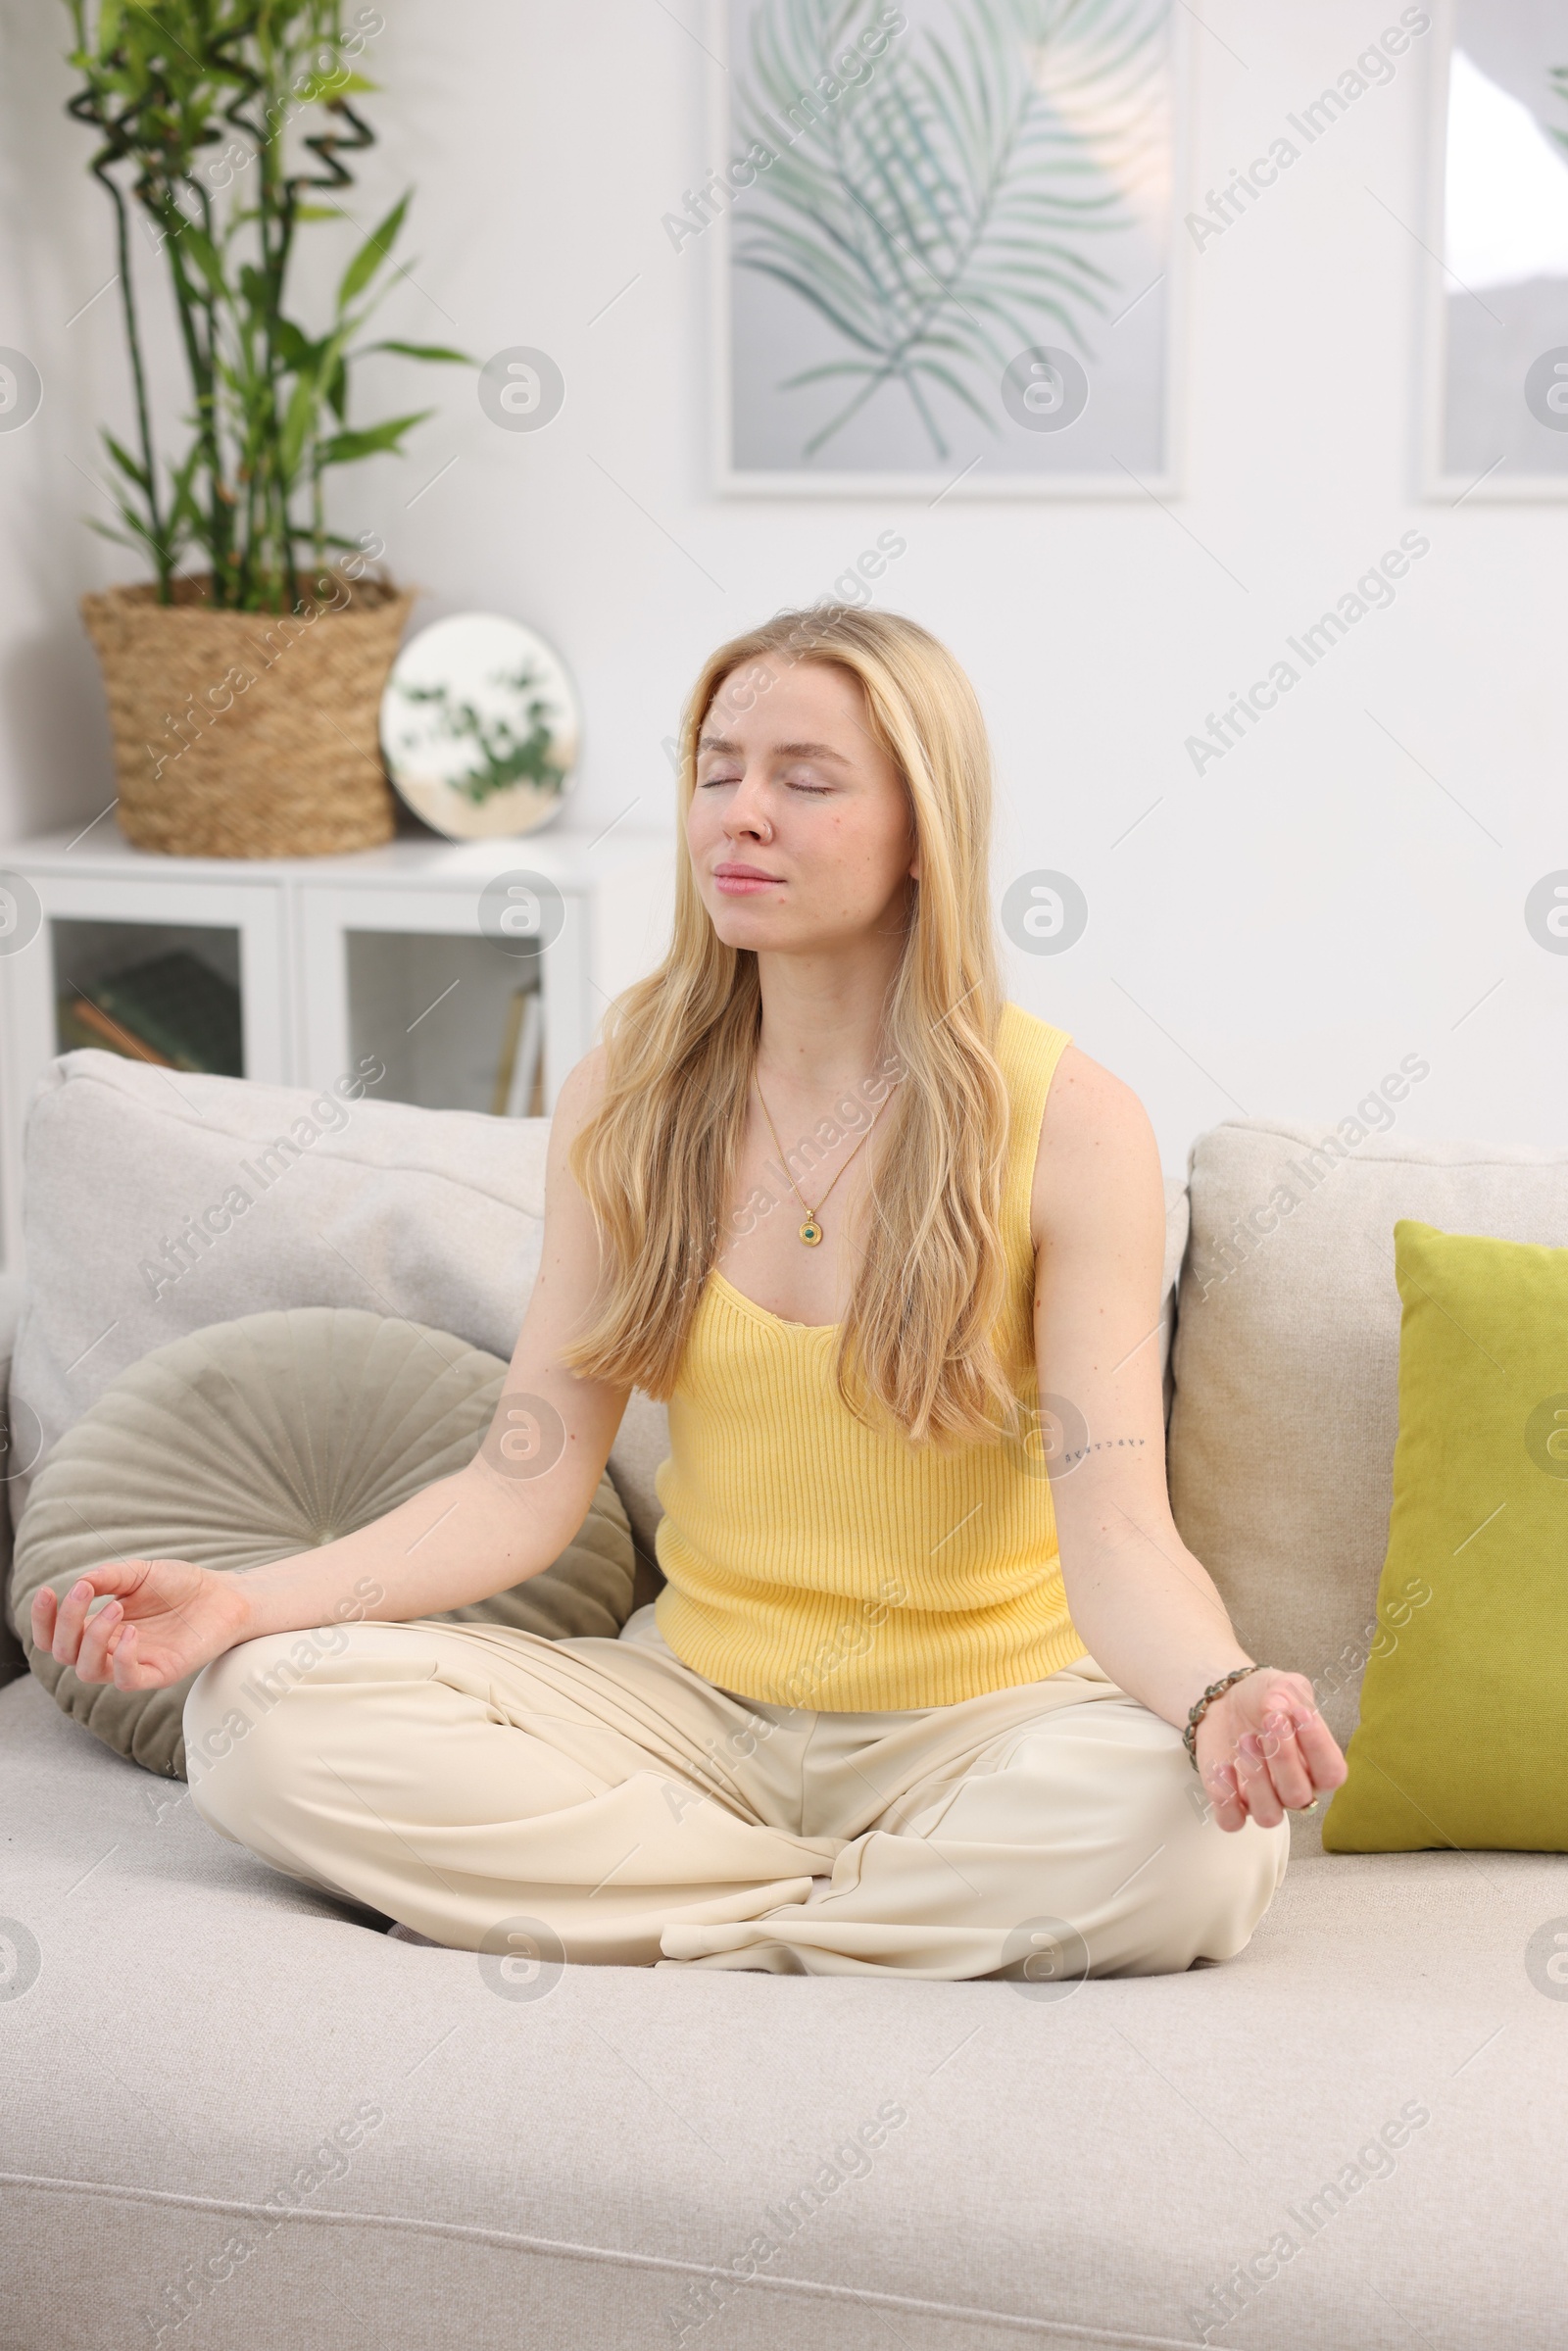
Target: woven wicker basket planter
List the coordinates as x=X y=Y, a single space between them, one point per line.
x=249 y=734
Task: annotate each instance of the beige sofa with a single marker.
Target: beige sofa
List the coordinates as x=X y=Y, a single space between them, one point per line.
x=233 y=2113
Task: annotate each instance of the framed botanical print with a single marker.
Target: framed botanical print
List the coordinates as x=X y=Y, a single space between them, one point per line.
x=1496 y=374
x=945 y=235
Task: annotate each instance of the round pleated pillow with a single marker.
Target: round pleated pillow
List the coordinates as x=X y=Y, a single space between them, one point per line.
x=255 y=1440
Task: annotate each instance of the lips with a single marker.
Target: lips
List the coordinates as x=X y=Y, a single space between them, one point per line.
x=743 y=881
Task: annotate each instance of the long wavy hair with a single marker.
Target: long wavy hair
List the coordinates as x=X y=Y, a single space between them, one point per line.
x=656 y=1161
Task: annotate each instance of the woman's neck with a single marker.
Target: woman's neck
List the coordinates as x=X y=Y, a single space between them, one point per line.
x=822 y=1018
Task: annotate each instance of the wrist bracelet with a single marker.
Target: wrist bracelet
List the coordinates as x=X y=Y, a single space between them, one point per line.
x=1214 y=1691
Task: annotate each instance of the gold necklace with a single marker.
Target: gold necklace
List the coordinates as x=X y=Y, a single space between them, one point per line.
x=811 y=1229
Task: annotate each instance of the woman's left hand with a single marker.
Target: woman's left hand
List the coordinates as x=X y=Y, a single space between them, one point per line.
x=1263 y=1749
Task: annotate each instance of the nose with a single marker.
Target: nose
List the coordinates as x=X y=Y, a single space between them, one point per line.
x=746 y=816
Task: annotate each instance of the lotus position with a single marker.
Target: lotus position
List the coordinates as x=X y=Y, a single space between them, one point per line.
x=933 y=1687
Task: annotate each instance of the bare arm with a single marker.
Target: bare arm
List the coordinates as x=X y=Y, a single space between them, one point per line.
x=1148 y=1609
x=503 y=1518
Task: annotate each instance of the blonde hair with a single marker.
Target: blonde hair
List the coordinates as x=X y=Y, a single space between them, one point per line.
x=657 y=1159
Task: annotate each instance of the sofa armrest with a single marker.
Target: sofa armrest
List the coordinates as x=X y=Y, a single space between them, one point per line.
x=13 y=1657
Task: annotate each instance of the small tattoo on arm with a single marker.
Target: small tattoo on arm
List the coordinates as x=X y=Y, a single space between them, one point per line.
x=1103 y=1444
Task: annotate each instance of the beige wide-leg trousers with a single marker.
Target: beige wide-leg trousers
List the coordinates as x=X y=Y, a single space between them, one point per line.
x=596 y=1800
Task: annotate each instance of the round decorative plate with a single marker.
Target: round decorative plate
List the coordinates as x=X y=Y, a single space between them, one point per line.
x=480 y=727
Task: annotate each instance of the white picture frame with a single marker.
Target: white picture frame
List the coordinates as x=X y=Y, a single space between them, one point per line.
x=1468 y=390
x=938 y=482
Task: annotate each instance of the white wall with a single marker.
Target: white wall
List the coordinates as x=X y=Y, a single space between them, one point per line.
x=1280 y=931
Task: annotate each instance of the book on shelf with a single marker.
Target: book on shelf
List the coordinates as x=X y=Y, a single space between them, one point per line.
x=170 y=1009
x=519 y=1091
x=82 y=1023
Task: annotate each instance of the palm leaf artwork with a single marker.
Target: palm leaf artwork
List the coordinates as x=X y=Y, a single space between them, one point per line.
x=940 y=215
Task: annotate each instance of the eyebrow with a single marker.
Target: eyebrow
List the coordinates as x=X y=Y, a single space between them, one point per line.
x=786 y=750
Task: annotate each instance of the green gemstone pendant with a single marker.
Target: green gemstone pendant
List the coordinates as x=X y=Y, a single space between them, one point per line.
x=812 y=1232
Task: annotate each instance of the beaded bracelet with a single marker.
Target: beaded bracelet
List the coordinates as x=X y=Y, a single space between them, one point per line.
x=1214 y=1691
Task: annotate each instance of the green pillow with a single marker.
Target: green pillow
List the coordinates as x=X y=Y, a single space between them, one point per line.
x=254 y=1440
x=1463 y=1736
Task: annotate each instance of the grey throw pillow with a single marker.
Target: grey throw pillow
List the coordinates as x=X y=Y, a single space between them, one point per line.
x=255 y=1440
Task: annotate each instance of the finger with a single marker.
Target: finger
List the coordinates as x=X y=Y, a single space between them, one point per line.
x=1292 y=1689
x=43 y=1617
x=1230 y=1810
x=1287 y=1766
x=1326 y=1765
x=1253 y=1775
x=118 y=1576
x=126 y=1666
x=70 y=1620
x=1293 y=1695
x=93 y=1658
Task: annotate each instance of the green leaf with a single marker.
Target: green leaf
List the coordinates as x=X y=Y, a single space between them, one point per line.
x=127 y=465
x=304 y=401
x=960 y=391
x=371 y=254
x=293 y=347
x=135 y=534
x=427 y=351
x=812 y=375
x=808 y=292
x=205 y=254
x=344 y=448
x=121 y=538
x=334 y=83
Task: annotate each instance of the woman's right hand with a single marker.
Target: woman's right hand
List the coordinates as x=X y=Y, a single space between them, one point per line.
x=164 y=1620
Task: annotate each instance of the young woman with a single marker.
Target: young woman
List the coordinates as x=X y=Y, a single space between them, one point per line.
x=914 y=1697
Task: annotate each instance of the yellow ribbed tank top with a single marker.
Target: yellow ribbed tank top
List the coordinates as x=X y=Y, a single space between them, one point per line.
x=813 y=1561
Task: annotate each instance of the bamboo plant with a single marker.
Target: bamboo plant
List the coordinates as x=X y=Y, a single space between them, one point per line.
x=223 y=126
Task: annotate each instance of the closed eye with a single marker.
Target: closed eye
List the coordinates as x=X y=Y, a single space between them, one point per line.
x=796 y=783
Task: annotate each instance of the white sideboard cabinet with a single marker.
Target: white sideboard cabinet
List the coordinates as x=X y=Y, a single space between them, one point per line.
x=416 y=952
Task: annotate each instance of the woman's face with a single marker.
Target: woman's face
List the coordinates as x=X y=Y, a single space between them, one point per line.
x=798 y=828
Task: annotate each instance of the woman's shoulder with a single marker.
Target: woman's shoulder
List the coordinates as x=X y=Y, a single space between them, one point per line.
x=1029 y=1049
x=582 y=1089
x=1020 y=1027
x=1094 y=1141
x=1087 y=1099
x=1031 y=1046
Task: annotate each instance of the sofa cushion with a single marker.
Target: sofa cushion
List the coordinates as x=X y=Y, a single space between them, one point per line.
x=1286 y=1368
x=1461 y=1738
x=231 y=2102
x=128 y=1170
x=255 y=1440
